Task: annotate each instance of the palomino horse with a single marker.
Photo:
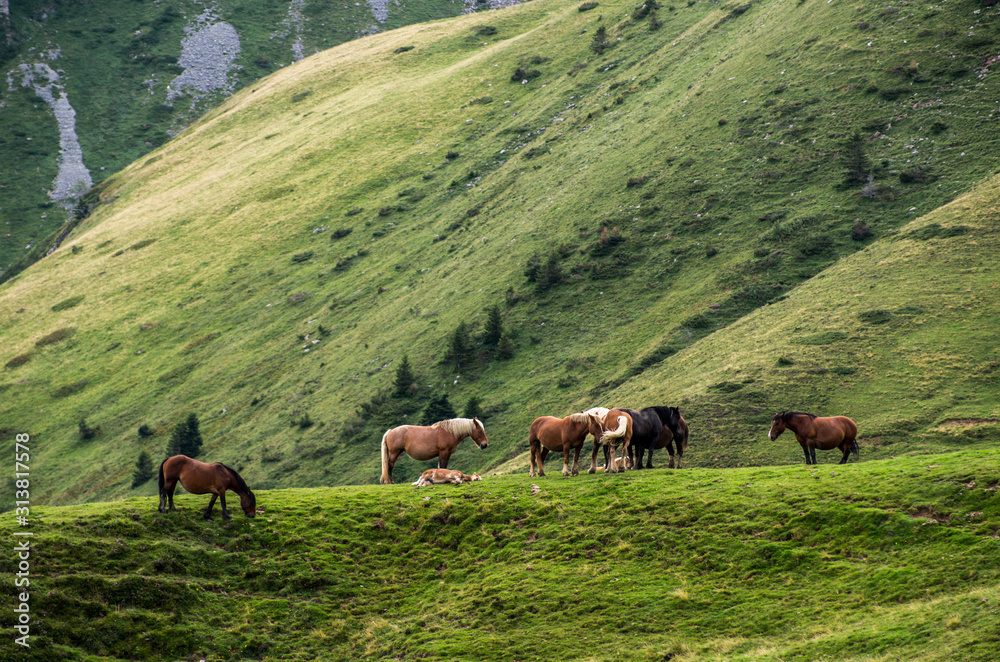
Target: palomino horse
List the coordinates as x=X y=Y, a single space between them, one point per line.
x=439 y=476
x=820 y=432
x=617 y=427
x=549 y=433
x=204 y=478
x=423 y=442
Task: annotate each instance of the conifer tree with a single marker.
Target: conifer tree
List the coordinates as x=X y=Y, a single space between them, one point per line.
x=438 y=409
x=857 y=166
x=186 y=438
x=473 y=408
x=403 y=384
x=459 y=347
x=493 y=330
x=143 y=469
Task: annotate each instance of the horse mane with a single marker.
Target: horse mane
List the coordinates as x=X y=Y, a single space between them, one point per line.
x=787 y=416
x=238 y=478
x=459 y=426
x=600 y=411
x=579 y=417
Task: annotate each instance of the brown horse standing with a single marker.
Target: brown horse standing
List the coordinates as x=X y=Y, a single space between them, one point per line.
x=675 y=431
x=423 y=442
x=681 y=439
x=549 y=433
x=203 y=478
x=820 y=432
x=617 y=427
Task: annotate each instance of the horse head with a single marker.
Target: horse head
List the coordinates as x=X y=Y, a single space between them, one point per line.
x=595 y=426
x=673 y=418
x=478 y=433
x=248 y=502
x=777 y=426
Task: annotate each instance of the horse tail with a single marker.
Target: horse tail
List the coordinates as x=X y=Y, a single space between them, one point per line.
x=619 y=432
x=385 y=479
x=163 y=482
x=855 y=449
x=687 y=434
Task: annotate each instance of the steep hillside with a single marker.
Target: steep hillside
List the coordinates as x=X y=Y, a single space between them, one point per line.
x=90 y=88
x=630 y=187
x=882 y=560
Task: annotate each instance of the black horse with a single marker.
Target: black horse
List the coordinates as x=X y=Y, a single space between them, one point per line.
x=654 y=428
x=647 y=427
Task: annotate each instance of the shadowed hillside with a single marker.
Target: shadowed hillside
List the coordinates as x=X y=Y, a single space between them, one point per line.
x=737 y=209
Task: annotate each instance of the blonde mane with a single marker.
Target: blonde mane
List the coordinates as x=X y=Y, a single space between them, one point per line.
x=579 y=417
x=459 y=426
x=600 y=411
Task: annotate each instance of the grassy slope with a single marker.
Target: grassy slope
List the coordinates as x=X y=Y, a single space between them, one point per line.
x=920 y=378
x=115 y=62
x=728 y=125
x=881 y=560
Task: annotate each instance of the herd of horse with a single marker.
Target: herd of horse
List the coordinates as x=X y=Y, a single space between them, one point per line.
x=638 y=432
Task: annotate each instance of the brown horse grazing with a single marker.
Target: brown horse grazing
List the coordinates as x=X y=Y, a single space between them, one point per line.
x=617 y=427
x=439 y=476
x=204 y=478
x=423 y=442
x=549 y=433
x=820 y=432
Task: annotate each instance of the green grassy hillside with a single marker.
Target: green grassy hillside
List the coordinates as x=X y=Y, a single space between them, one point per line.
x=736 y=209
x=118 y=63
x=883 y=560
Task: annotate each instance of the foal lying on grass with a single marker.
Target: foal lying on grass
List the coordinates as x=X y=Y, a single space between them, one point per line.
x=432 y=476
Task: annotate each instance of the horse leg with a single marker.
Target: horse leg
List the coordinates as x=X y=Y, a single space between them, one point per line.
x=542 y=454
x=805 y=449
x=391 y=462
x=670 y=451
x=170 y=494
x=846 y=448
x=680 y=456
x=576 y=461
x=609 y=459
x=211 y=504
x=565 y=471
x=593 y=459
x=163 y=499
x=812 y=452
x=533 y=452
x=443 y=457
x=222 y=502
